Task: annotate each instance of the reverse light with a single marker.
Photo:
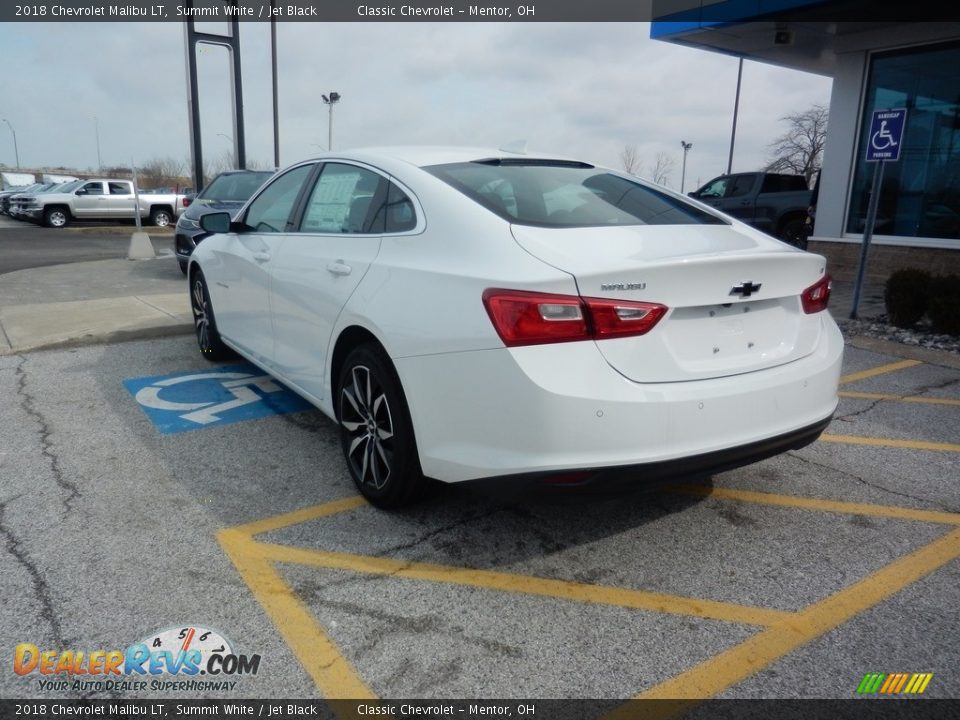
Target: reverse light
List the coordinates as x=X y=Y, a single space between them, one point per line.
x=530 y=318
x=816 y=297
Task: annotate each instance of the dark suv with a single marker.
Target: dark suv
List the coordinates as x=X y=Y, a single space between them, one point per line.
x=228 y=191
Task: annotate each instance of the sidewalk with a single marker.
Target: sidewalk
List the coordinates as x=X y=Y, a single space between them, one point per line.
x=111 y=300
x=92 y=302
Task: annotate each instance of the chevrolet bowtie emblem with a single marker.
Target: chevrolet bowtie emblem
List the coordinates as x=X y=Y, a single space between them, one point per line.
x=745 y=289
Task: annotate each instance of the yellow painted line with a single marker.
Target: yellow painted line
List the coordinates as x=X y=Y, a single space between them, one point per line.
x=891 y=442
x=331 y=671
x=881 y=370
x=926 y=681
x=922 y=399
x=525 y=584
x=819 y=505
x=732 y=666
x=300 y=516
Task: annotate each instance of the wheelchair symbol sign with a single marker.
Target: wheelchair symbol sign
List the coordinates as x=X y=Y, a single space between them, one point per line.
x=193 y=400
x=886 y=135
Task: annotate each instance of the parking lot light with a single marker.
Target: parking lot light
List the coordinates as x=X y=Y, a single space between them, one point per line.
x=330 y=101
x=16 y=150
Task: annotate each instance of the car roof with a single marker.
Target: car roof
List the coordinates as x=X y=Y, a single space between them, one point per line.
x=423 y=156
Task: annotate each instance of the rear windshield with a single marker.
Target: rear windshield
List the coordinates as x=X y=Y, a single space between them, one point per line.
x=562 y=194
x=237 y=187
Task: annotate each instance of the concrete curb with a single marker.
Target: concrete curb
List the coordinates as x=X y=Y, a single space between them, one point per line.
x=908 y=352
x=116 y=336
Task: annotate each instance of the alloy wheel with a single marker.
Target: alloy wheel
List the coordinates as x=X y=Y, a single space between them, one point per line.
x=366 y=417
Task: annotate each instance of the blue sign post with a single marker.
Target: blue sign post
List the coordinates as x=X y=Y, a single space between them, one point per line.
x=883 y=145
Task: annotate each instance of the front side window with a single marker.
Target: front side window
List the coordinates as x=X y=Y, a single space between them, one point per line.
x=343 y=200
x=548 y=193
x=93 y=188
x=919 y=194
x=716 y=189
x=271 y=210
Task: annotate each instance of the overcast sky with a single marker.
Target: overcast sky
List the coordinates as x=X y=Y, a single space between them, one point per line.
x=584 y=90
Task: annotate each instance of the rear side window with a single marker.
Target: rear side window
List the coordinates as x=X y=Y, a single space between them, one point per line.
x=343 y=200
x=560 y=194
x=783 y=183
x=396 y=214
x=119 y=189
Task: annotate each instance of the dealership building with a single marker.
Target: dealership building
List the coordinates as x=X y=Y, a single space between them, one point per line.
x=876 y=62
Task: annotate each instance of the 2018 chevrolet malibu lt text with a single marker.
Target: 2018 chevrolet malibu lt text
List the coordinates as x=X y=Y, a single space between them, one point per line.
x=466 y=314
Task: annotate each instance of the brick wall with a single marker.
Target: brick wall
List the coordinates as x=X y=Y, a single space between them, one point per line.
x=843 y=259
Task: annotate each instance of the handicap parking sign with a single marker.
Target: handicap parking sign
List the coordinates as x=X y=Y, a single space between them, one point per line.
x=886 y=135
x=193 y=400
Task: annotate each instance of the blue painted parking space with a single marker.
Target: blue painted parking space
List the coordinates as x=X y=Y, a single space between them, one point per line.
x=197 y=399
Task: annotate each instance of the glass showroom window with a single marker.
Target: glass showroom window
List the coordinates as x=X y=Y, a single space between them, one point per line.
x=920 y=194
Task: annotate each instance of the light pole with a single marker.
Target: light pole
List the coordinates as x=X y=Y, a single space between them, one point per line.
x=736 y=109
x=330 y=101
x=16 y=150
x=683 y=173
x=96 y=133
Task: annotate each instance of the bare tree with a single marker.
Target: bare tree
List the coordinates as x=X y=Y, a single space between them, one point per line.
x=663 y=166
x=800 y=149
x=160 y=172
x=630 y=160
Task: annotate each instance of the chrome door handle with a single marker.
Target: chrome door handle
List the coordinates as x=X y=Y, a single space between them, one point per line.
x=339 y=268
x=261 y=256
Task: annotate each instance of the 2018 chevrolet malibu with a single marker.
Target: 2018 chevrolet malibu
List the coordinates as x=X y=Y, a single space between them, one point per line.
x=467 y=314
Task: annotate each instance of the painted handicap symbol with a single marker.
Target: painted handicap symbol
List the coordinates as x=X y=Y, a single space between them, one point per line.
x=190 y=400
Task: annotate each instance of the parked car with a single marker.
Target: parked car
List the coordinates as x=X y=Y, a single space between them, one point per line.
x=772 y=202
x=100 y=200
x=227 y=191
x=20 y=201
x=476 y=314
x=7 y=194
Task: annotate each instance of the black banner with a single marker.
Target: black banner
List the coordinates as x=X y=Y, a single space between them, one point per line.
x=682 y=11
x=856 y=709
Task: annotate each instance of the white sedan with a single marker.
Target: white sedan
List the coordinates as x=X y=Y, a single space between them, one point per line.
x=469 y=314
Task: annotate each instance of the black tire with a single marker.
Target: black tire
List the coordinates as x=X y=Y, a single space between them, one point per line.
x=161 y=217
x=184 y=266
x=56 y=217
x=794 y=233
x=204 y=324
x=376 y=433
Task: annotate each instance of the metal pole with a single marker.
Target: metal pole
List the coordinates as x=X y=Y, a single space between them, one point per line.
x=238 y=130
x=136 y=196
x=96 y=131
x=867 y=236
x=736 y=109
x=276 y=110
x=683 y=173
x=16 y=150
x=193 y=102
x=330 y=128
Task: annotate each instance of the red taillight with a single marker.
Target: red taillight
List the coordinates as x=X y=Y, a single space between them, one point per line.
x=816 y=297
x=530 y=318
x=187 y=201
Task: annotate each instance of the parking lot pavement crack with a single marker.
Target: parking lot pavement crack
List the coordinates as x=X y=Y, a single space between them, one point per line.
x=40 y=588
x=460 y=522
x=877 y=486
x=863 y=411
x=29 y=406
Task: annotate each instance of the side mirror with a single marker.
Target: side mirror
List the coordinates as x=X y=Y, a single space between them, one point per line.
x=217 y=222
x=694 y=194
x=81 y=191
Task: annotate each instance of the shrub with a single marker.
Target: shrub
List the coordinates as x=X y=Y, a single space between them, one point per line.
x=905 y=296
x=944 y=304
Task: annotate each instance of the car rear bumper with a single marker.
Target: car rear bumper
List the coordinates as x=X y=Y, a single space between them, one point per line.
x=555 y=408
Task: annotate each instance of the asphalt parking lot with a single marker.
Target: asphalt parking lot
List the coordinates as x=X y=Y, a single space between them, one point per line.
x=792 y=578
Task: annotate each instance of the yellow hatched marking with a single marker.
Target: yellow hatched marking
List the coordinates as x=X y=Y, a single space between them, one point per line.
x=891 y=442
x=920 y=399
x=333 y=674
x=526 y=584
x=926 y=681
x=806 y=503
x=718 y=673
x=881 y=370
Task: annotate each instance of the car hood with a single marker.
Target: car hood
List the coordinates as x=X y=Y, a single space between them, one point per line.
x=203 y=206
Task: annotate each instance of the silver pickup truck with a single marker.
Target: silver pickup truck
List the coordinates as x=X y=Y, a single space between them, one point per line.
x=100 y=200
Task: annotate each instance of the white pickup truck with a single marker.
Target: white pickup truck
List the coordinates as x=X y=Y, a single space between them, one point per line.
x=101 y=200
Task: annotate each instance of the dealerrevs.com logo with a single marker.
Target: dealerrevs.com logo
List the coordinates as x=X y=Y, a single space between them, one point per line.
x=170 y=660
